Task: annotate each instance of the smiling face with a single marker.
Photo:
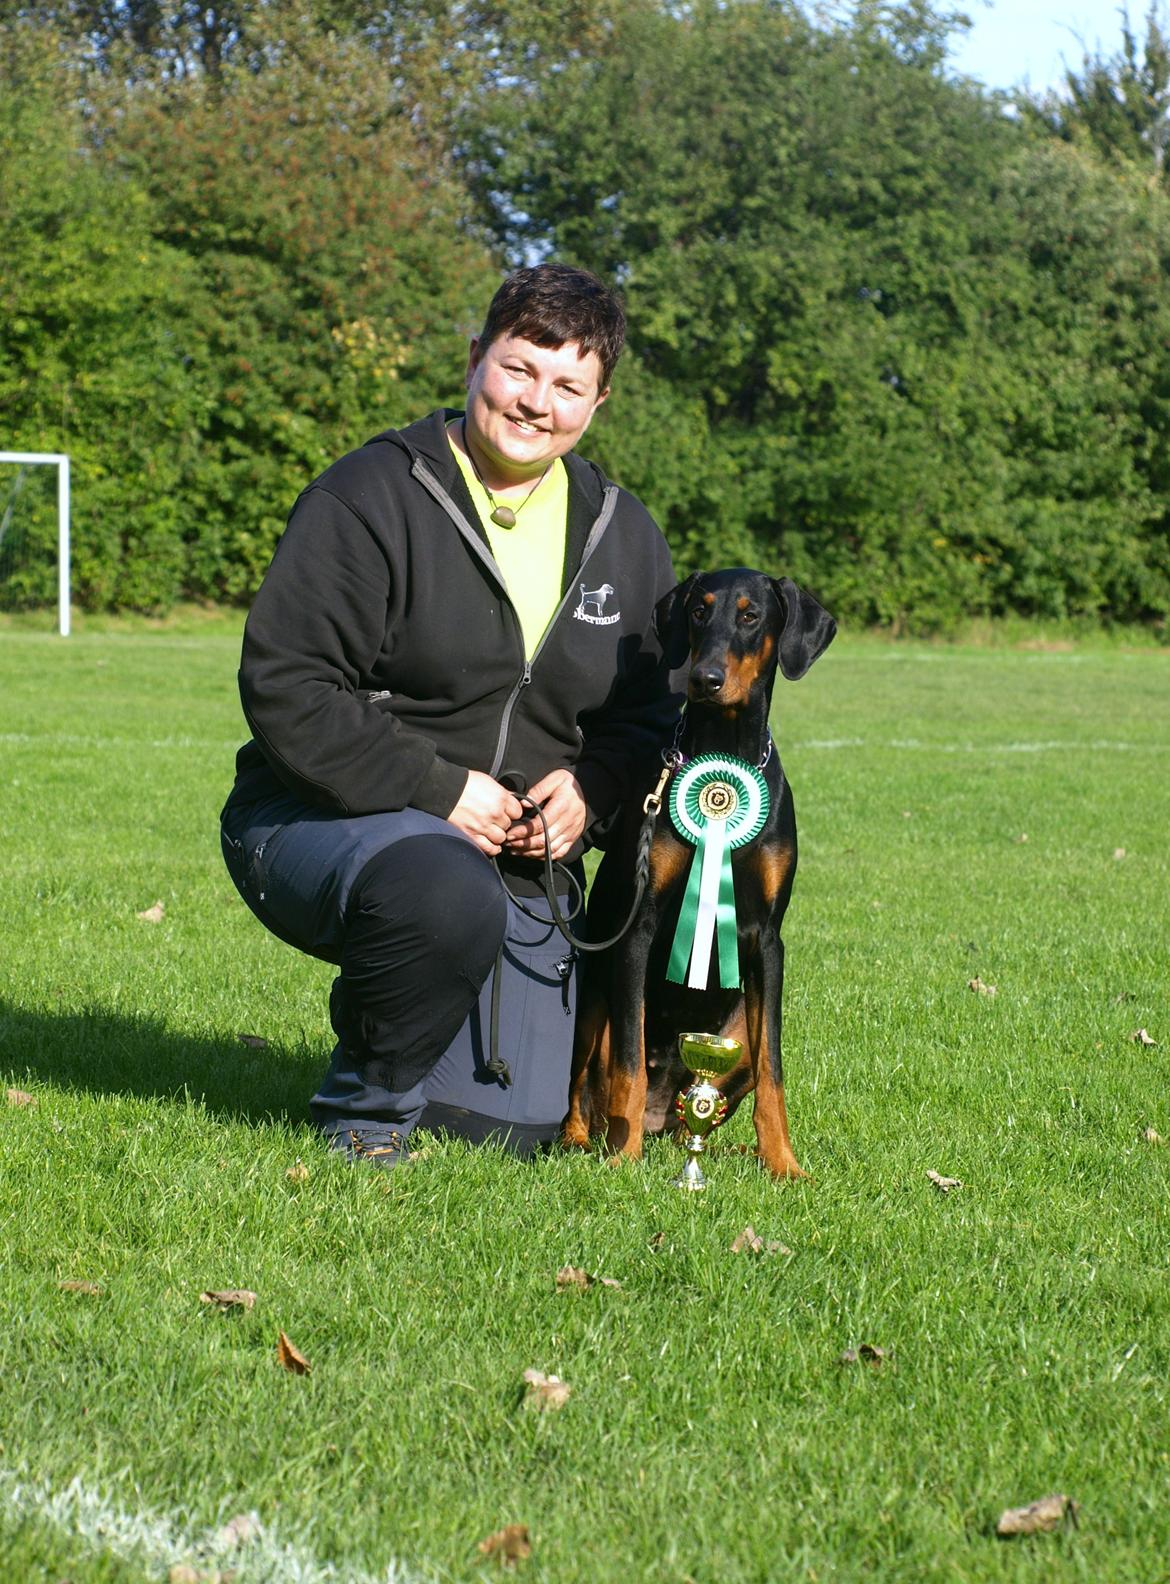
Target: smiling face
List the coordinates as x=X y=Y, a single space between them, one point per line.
x=528 y=405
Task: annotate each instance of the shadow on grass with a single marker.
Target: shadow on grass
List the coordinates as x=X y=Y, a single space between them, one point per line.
x=107 y=1052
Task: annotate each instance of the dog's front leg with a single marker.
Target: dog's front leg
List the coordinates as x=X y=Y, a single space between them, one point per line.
x=588 y=1087
x=763 y=987
x=627 y=1070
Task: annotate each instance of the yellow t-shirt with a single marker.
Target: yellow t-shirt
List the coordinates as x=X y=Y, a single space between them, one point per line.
x=532 y=554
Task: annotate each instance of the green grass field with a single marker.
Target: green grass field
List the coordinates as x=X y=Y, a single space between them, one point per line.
x=712 y=1434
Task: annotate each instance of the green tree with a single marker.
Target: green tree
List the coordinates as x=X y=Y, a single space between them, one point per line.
x=788 y=208
x=147 y=37
x=88 y=360
x=1119 y=103
x=335 y=289
x=845 y=306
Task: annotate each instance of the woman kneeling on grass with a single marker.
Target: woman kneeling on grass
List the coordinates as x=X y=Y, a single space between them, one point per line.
x=457 y=610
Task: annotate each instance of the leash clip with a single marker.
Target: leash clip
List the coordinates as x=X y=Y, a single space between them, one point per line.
x=653 y=801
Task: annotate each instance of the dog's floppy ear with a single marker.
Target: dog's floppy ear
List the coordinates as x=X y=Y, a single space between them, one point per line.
x=670 y=622
x=808 y=629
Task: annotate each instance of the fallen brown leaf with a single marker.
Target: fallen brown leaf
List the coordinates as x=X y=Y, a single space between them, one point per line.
x=230 y=1298
x=1118 y=854
x=90 y=1288
x=1152 y=1136
x=253 y=1041
x=657 y=1240
x=573 y=1276
x=238 y=1531
x=944 y=1184
x=508 y=1545
x=1039 y=1517
x=1021 y=838
x=20 y=1097
x=750 y=1242
x=154 y=914
x=299 y=1172
x=290 y=1357
x=980 y=988
x=868 y=1353
x=1141 y=1037
x=545 y=1391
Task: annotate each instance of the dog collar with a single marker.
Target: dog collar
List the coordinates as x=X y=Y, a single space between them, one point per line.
x=674 y=758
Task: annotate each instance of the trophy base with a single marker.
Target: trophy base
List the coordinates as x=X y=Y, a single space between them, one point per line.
x=691 y=1177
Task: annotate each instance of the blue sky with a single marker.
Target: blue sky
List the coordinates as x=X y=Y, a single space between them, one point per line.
x=1014 y=40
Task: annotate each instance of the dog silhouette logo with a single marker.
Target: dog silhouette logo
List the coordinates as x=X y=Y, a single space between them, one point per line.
x=591 y=606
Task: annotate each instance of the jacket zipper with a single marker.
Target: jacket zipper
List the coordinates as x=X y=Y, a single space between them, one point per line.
x=506 y=718
x=600 y=524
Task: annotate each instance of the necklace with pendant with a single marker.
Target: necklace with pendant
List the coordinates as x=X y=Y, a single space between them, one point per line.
x=502 y=516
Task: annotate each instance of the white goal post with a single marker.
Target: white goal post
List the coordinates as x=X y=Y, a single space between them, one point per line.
x=61 y=462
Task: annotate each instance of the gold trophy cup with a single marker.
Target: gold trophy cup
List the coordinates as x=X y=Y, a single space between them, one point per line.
x=701 y=1107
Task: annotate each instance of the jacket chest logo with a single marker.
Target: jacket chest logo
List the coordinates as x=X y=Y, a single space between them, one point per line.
x=591 y=606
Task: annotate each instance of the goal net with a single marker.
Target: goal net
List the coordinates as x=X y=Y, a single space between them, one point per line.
x=34 y=532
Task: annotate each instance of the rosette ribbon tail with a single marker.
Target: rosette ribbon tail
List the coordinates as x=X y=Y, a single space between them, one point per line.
x=718 y=803
x=708 y=910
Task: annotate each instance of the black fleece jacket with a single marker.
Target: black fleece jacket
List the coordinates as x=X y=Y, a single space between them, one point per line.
x=383 y=658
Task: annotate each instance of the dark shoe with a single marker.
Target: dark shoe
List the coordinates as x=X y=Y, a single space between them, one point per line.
x=377 y=1146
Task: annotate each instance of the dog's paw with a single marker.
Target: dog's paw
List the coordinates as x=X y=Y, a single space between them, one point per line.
x=785 y=1168
x=791 y=1173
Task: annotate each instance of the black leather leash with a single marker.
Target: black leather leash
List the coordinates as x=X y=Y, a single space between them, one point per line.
x=516 y=784
x=650 y=808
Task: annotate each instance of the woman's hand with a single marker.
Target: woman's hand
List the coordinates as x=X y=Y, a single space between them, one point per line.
x=486 y=811
x=560 y=799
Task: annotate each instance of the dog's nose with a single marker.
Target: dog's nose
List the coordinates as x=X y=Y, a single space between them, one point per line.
x=707 y=680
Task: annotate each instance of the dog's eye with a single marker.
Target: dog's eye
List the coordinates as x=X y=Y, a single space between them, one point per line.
x=699 y=615
x=748 y=618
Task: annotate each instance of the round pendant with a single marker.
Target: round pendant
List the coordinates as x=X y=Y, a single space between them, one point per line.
x=504 y=517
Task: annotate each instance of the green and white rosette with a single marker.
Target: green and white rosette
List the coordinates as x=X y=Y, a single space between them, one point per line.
x=717 y=802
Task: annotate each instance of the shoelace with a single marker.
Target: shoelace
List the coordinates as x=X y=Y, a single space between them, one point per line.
x=393 y=1145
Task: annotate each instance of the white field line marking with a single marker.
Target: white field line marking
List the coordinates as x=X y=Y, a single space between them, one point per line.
x=908 y=744
x=158 y=1543
x=81 y=740
x=914 y=745
x=811 y=744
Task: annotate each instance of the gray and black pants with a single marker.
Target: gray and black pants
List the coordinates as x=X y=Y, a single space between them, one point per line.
x=414 y=917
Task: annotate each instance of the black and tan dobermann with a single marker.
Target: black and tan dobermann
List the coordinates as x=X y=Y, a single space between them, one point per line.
x=738 y=626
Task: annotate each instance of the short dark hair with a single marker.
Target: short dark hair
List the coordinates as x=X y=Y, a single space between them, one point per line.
x=552 y=304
